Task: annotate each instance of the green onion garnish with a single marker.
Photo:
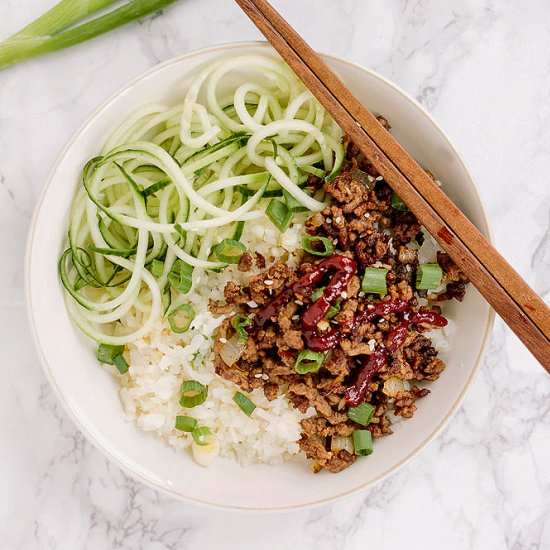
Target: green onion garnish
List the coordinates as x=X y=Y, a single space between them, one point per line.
x=318 y=246
x=239 y=322
x=397 y=203
x=181 y=276
x=315 y=295
x=362 y=442
x=192 y=393
x=157 y=267
x=107 y=353
x=308 y=361
x=121 y=364
x=333 y=311
x=428 y=276
x=185 y=423
x=292 y=204
x=229 y=251
x=361 y=414
x=180 y=318
x=244 y=403
x=374 y=281
x=279 y=214
x=201 y=435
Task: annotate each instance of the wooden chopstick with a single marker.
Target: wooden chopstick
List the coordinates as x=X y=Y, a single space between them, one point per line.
x=511 y=297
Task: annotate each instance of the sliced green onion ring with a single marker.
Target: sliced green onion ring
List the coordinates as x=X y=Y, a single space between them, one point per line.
x=107 y=353
x=362 y=413
x=428 y=276
x=180 y=318
x=239 y=322
x=181 y=276
x=310 y=243
x=185 y=423
x=192 y=393
x=229 y=251
x=279 y=214
x=362 y=442
x=308 y=361
x=374 y=281
x=202 y=435
x=245 y=404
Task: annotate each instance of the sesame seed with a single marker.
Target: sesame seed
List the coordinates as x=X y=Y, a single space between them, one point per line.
x=223 y=340
x=335 y=241
x=361 y=294
x=329 y=220
x=265 y=376
x=299 y=302
x=252 y=304
x=295 y=317
x=344 y=294
x=367 y=214
x=268 y=282
x=259 y=375
x=379 y=178
x=338 y=219
x=371 y=179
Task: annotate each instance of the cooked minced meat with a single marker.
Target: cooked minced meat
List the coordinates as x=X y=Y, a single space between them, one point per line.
x=377 y=340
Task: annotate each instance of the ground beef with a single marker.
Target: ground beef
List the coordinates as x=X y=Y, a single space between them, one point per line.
x=362 y=225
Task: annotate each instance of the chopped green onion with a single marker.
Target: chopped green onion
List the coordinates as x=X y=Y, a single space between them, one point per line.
x=279 y=214
x=107 y=353
x=428 y=276
x=333 y=311
x=292 y=204
x=185 y=423
x=245 y=404
x=201 y=435
x=121 y=364
x=192 y=393
x=362 y=442
x=181 y=276
x=397 y=203
x=43 y=36
x=317 y=294
x=308 y=361
x=374 y=281
x=157 y=267
x=239 y=322
x=362 y=413
x=180 y=318
x=309 y=244
x=229 y=251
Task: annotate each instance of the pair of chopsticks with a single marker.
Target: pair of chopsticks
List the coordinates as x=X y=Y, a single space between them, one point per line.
x=518 y=305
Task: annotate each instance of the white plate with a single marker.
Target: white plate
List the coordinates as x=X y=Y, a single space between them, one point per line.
x=90 y=395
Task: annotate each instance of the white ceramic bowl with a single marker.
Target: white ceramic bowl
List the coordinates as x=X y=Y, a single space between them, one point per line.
x=90 y=395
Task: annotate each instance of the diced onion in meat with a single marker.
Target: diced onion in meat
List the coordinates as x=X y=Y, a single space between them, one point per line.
x=232 y=350
x=339 y=443
x=394 y=385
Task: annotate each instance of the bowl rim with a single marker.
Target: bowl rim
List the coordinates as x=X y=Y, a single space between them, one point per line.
x=73 y=414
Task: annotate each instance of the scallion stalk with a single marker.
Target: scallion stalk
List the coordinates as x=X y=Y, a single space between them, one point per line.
x=239 y=323
x=185 y=423
x=180 y=318
x=362 y=442
x=317 y=246
x=43 y=35
x=245 y=404
x=229 y=251
x=279 y=214
x=308 y=361
x=362 y=413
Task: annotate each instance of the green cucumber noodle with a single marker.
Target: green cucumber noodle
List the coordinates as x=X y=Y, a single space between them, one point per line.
x=173 y=181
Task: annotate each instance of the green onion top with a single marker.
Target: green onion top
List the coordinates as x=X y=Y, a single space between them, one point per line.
x=185 y=423
x=397 y=203
x=318 y=246
x=428 y=276
x=107 y=353
x=181 y=276
x=157 y=267
x=333 y=311
x=374 y=281
x=279 y=214
x=192 y=393
x=245 y=404
x=316 y=294
x=180 y=318
x=362 y=442
x=308 y=361
x=362 y=413
x=121 y=364
x=292 y=204
x=202 y=435
x=239 y=322
x=229 y=251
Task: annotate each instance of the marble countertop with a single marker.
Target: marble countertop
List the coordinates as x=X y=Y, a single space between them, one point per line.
x=482 y=68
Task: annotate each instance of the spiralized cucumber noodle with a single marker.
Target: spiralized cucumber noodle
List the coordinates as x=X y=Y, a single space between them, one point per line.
x=173 y=181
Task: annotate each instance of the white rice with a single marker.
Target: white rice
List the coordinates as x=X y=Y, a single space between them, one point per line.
x=160 y=362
